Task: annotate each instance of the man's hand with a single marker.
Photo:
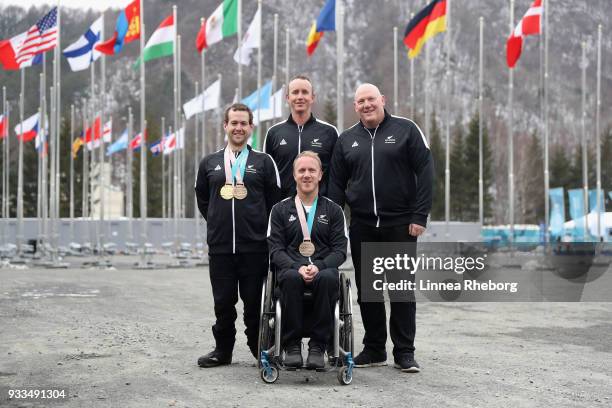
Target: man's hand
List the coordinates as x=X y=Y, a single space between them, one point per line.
x=308 y=272
x=415 y=230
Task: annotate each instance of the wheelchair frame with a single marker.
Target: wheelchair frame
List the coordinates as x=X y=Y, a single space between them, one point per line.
x=270 y=330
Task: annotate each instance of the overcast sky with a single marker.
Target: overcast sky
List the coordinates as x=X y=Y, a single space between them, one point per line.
x=81 y=4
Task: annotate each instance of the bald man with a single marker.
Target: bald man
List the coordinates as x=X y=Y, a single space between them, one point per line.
x=383 y=169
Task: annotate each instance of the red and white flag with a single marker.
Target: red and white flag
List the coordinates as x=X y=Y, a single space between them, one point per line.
x=530 y=24
x=174 y=141
x=3 y=126
x=135 y=143
x=106 y=136
x=21 y=50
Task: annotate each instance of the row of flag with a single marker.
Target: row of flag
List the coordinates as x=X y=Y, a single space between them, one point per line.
x=26 y=48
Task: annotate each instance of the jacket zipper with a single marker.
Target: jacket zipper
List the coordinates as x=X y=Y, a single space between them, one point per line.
x=373 y=186
x=300 y=130
x=233 y=229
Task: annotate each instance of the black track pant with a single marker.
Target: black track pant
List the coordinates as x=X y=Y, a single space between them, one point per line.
x=325 y=293
x=230 y=274
x=402 y=323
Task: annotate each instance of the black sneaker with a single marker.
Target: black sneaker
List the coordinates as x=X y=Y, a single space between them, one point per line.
x=368 y=359
x=315 y=357
x=407 y=364
x=293 y=355
x=215 y=358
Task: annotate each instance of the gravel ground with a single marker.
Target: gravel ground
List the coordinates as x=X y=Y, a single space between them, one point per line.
x=131 y=338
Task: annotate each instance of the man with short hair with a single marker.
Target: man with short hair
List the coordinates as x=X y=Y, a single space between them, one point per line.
x=301 y=131
x=383 y=168
x=308 y=242
x=236 y=188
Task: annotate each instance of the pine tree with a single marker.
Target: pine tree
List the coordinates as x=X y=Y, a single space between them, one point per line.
x=606 y=167
x=531 y=183
x=560 y=171
x=458 y=197
x=438 y=154
x=329 y=112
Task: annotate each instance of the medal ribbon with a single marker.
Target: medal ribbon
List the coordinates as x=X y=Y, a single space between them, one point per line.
x=233 y=164
x=306 y=225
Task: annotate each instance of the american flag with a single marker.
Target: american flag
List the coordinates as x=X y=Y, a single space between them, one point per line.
x=40 y=37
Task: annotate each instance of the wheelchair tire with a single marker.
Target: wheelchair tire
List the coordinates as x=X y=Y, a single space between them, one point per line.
x=343 y=376
x=263 y=341
x=347 y=333
x=269 y=376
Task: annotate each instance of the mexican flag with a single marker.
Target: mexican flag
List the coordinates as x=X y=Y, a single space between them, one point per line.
x=222 y=23
x=161 y=43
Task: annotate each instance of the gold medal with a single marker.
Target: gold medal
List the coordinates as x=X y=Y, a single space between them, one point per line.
x=240 y=191
x=227 y=192
x=307 y=248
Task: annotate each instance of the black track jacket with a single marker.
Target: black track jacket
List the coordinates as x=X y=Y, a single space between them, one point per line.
x=385 y=176
x=329 y=235
x=237 y=226
x=284 y=142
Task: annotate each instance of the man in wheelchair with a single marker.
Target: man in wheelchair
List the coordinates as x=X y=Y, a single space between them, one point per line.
x=307 y=238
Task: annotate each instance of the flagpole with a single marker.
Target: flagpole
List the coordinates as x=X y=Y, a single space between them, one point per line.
x=546 y=135
x=45 y=167
x=20 y=172
x=130 y=183
x=175 y=187
x=85 y=175
x=71 y=175
x=53 y=129
x=340 y=64
x=585 y=176
x=274 y=66
x=182 y=150
x=55 y=150
x=175 y=191
x=163 y=158
x=101 y=258
x=259 y=141
x=447 y=173
x=480 y=141
x=511 y=138
x=203 y=64
x=239 y=26
x=5 y=141
x=143 y=150
x=40 y=179
x=597 y=135
x=196 y=215
x=412 y=82
x=395 y=81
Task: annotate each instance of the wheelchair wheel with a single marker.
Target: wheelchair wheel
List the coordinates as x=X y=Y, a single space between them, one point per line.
x=345 y=377
x=264 y=339
x=269 y=375
x=347 y=333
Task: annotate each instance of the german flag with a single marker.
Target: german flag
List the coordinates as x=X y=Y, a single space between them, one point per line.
x=427 y=23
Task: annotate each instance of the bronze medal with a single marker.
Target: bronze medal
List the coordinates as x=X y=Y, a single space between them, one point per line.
x=307 y=248
x=227 y=192
x=240 y=191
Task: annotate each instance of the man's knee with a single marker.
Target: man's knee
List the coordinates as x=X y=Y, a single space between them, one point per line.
x=291 y=279
x=327 y=278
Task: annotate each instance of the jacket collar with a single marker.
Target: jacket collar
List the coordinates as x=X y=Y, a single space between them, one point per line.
x=308 y=122
x=381 y=124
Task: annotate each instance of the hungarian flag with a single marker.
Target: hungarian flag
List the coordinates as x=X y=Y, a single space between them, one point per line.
x=530 y=24
x=426 y=24
x=325 y=22
x=161 y=43
x=3 y=126
x=127 y=29
x=221 y=24
x=28 y=129
x=26 y=49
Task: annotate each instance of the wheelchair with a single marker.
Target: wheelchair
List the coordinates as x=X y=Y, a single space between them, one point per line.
x=270 y=330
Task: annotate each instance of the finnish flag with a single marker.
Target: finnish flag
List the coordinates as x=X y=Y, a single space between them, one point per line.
x=82 y=53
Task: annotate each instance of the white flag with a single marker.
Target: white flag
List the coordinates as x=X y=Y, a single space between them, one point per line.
x=83 y=51
x=250 y=41
x=207 y=100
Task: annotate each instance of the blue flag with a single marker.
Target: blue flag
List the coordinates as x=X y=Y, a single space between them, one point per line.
x=576 y=203
x=266 y=94
x=593 y=201
x=119 y=144
x=82 y=53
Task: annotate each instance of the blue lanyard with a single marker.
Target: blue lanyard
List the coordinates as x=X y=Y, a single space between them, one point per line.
x=240 y=163
x=311 y=215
